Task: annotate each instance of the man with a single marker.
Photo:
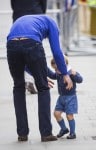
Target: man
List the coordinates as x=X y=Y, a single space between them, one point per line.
x=28 y=7
x=24 y=47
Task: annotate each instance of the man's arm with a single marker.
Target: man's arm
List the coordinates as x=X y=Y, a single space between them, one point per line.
x=55 y=47
x=51 y=74
x=57 y=53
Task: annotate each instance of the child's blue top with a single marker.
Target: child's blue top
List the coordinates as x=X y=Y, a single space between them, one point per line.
x=39 y=27
x=60 y=82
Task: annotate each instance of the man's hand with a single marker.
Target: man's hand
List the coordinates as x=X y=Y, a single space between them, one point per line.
x=69 y=82
x=50 y=83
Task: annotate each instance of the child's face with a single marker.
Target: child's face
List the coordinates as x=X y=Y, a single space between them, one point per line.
x=54 y=66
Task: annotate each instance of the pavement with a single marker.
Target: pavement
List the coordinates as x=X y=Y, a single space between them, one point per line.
x=85 y=119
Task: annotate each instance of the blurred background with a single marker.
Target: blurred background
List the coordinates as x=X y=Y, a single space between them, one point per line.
x=77 y=26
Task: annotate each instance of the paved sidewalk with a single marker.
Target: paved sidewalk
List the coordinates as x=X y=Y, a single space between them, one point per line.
x=85 y=120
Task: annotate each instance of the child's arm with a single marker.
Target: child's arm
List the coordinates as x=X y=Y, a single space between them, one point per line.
x=51 y=74
x=76 y=77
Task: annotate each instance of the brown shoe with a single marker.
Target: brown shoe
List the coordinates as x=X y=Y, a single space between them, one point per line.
x=48 y=138
x=22 y=138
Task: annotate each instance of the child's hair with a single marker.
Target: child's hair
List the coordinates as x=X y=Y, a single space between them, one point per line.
x=53 y=60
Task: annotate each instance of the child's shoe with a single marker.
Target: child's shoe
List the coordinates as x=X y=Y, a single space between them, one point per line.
x=62 y=132
x=71 y=136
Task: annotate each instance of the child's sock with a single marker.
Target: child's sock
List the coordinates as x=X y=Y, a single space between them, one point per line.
x=72 y=126
x=62 y=124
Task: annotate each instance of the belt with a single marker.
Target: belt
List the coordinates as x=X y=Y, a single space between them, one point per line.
x=18 y=39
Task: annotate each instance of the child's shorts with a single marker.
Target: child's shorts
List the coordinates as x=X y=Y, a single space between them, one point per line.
x=67 y=104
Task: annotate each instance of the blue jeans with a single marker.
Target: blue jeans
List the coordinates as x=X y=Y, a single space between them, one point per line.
x=31 y=53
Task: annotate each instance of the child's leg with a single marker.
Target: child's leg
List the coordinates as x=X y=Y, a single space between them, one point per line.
x=60 y=120
x=64 y=130
x=57 y=113
x=71 y=123
x=72 y=126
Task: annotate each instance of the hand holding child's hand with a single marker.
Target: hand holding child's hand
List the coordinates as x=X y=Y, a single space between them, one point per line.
x=50 y=83
x=69 y=82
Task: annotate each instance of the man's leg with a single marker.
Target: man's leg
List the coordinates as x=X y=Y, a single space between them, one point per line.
x=36 y=63
x=16 y=66
x=44 y=111
x=39 y=72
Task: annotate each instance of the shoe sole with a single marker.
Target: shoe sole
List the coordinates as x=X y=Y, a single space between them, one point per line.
x=48 y=140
